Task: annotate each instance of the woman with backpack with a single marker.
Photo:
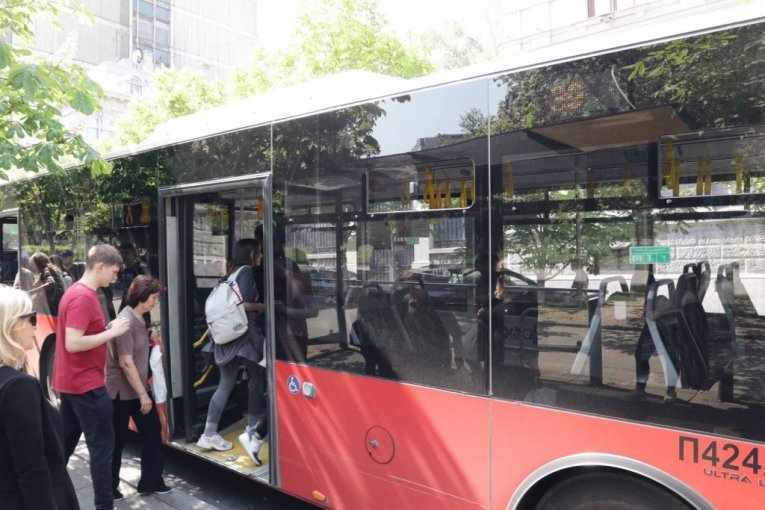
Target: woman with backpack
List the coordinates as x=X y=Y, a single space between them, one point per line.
x=50 y=279
x=246 y=350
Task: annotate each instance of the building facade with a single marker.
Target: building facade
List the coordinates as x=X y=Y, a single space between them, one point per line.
x=129 y=39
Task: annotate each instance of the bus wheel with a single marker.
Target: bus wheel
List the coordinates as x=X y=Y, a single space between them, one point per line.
x=46 y=371
x=608 y=491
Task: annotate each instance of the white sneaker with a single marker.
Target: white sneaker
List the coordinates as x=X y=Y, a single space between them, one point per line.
x=252 y=444
x=214 y=442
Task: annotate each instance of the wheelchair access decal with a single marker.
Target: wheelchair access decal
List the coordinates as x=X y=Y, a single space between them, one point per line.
x=293 y=384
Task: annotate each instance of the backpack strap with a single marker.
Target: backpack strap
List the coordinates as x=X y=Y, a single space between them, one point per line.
x=232 y=279
x=232 y=276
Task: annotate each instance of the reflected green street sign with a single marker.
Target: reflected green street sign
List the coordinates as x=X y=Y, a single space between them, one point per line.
x=649 y=255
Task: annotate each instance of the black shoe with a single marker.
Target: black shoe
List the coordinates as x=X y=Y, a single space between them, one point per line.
x=161 y=490
x=164 y=490
x=117 y=495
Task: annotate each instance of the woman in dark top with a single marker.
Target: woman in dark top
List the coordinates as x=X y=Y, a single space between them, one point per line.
x=246 y=350
x=32 y=468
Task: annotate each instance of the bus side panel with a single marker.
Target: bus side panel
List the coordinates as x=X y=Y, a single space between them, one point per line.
x=678 y=454
x=431 y=446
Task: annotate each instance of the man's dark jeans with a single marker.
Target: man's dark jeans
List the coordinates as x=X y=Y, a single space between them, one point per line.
x=91 y=413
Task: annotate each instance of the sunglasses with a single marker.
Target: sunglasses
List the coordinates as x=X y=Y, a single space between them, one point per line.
x=32 y=316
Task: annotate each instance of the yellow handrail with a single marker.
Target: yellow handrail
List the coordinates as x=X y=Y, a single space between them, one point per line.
x=202 y=338
x=202 y=379
x=207 y=371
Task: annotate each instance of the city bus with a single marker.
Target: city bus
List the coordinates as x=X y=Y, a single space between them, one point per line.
x=536 y=286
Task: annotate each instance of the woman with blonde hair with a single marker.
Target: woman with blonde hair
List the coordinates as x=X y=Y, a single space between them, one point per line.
x=33 y=471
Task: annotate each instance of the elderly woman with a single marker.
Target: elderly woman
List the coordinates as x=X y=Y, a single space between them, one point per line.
x=127 y=374
x=33 y=471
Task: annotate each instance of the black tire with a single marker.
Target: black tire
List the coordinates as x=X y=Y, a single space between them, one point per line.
x=608 y=491
x=47 y=354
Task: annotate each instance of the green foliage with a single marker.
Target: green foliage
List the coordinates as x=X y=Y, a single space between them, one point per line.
x=334 y=36
x=34 y=92
x=451 y=48
x=177 y=93
x=71 y=208
x=338 y=35
x=566 y=235
x=716 y=79
x=253 y=77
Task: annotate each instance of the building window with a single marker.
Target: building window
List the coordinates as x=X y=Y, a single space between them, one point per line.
x=163 y=14
x=162 y=58
x=145 y=31
x=136 y=86
x=162 y=36
x=145 y=8
x=600 y=7
x=147 y=51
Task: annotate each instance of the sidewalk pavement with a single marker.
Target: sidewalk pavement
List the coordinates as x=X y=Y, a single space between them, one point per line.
x=180 y=498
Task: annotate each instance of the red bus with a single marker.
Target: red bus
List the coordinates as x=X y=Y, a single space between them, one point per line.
x=539 y=286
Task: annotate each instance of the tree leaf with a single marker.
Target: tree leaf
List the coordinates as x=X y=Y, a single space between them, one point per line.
x=6 y=55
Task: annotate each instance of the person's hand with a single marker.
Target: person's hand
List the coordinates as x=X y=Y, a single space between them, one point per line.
x=119 y=325
x=145 y=403
x=259 y=308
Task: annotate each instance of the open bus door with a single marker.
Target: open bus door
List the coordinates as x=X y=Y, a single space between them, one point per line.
x=9 y=240
x=202 y=223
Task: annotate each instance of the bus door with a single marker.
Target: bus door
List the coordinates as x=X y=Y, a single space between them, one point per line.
x=202 y=224
x=9 y=240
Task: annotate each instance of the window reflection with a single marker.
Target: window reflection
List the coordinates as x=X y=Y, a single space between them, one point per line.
x=630 y=256
x=63 y=215
x=385 y=224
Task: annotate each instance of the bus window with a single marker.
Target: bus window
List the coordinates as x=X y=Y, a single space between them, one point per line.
x=63 y=215
x=386 y=240
x=720 y=162
x=629 y=288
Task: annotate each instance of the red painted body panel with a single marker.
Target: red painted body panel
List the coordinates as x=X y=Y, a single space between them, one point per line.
x=525 y=438
x=440 y=442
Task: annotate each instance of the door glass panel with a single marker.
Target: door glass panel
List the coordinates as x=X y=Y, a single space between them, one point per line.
x=215 y=222
x=10 y=251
